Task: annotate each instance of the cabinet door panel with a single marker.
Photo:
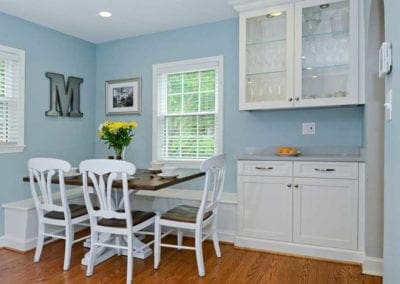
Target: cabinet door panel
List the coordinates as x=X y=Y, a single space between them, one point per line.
x=265 y=207
x=266 y=56
x=326 y=52
x=326 y=212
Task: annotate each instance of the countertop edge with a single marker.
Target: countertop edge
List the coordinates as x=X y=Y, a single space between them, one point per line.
x=305 y=158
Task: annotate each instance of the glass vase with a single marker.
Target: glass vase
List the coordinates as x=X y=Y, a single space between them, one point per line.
x=120 y=153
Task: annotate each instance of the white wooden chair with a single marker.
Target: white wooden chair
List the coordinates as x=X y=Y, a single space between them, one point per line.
x=49 y=213
x=203 y=220
x=114 y=216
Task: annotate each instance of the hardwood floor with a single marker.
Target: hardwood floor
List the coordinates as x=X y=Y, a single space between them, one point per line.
x=235 y=266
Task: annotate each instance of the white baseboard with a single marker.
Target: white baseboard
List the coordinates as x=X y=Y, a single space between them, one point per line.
x=19 y=244
x=301 y=249
x=372 y=266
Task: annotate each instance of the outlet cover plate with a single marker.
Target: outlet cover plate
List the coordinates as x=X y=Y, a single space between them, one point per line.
x=308 y=128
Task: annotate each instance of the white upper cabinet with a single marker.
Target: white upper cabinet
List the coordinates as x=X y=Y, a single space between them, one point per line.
x=302 y=54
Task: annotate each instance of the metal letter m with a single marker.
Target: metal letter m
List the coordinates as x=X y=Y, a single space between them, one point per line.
x=64 y=100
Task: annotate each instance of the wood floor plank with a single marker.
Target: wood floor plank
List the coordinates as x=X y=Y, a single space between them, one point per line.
x=235 y=266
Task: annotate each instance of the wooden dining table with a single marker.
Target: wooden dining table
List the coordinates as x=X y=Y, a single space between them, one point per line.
x=142 y=180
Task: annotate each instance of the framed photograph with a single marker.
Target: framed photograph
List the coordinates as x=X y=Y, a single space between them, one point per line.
x=123 y=96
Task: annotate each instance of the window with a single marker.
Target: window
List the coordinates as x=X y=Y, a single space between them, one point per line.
x=187 y=121
x=12 y=85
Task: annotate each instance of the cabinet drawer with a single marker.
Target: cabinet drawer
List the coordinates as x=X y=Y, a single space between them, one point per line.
x=265 y=168
x=326 y=170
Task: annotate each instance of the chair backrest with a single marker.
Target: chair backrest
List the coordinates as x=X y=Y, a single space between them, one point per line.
x=42 y=170
x=102 y=174
x=214 y=168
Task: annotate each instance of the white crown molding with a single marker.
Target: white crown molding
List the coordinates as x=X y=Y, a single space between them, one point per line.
x=247 y=5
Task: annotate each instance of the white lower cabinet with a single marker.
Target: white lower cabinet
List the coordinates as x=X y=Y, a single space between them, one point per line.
x=264 y=197
x=317 y=208
x=325 y=212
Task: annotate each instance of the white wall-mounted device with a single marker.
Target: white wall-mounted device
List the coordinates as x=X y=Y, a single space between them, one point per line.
x=388 y=106
x=385 y=59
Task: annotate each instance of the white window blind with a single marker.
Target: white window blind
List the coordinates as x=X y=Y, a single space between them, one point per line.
x=188 y=110
x=12 y=71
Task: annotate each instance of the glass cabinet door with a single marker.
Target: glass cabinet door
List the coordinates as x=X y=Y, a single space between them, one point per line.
x=267 y=59
x=326 y=46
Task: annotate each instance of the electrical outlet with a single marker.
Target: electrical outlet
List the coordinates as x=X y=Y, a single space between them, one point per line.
x=308 y=128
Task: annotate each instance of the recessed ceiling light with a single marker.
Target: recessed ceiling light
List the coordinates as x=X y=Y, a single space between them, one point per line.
x=105 y=14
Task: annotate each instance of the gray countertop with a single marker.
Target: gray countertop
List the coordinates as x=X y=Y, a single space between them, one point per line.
x=316 y=154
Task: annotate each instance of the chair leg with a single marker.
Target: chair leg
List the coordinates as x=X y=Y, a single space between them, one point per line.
x=40 y=240
x=215 y=239
x=69 y=241
x=129 y=270
x=199 y=252
x=118 y=243
x=179 y=237
x=92 y=253
x=157 y=242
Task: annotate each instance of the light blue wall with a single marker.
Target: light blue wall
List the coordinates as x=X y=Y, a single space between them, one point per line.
x=68 y=138
x=135 y=56
x=391 y=242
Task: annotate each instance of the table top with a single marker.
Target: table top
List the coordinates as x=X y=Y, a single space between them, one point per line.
x=143 y=179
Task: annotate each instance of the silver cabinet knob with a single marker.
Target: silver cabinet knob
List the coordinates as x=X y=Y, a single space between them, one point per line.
x=290 y=99
x=289 y=185
x=297 y=99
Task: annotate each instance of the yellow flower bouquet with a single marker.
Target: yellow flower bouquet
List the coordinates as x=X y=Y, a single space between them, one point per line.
x=117 y=134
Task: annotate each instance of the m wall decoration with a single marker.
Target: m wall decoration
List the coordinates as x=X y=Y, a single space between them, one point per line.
x=64 y=99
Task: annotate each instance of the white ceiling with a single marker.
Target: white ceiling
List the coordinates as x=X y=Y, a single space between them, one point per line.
x=129 y=17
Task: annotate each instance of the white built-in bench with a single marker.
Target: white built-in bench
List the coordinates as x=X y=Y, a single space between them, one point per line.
x=20 y=227
x=20 y=220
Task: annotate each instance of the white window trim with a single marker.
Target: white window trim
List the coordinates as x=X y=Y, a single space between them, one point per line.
x=183 y=66
x=5 y=148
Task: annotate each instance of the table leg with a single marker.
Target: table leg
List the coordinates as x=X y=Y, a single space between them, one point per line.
x=102 y=253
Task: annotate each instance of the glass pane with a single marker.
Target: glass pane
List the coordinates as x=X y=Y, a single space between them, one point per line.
x=2 y=78
x=175 y=84
x=266 y=87
x=191 y=102
x=206 y=125
x=266 y=54
x=207 y=80
x=173 y=148
x=189 y=147
x=325 y=47
x=189 y=126
x=207 y=101
x=190 y=82
x=174 y=103
x=206 y=147
x=173 y=126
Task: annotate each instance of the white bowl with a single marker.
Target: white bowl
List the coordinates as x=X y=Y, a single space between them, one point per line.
x=169 y=171
x=156 y=165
